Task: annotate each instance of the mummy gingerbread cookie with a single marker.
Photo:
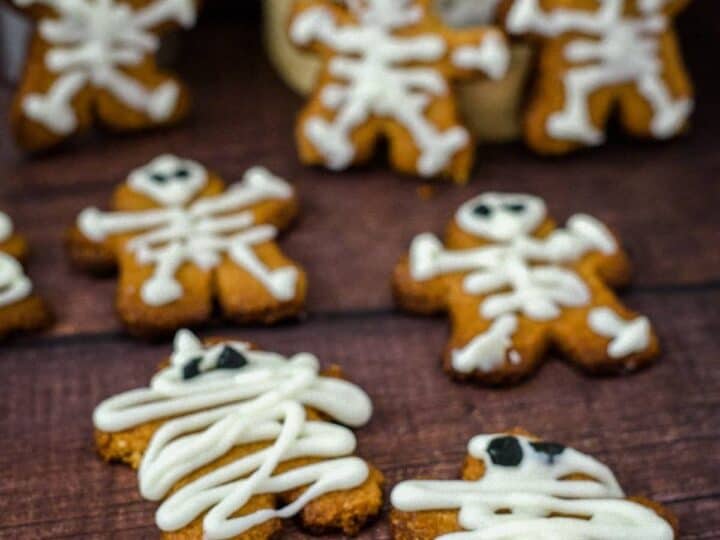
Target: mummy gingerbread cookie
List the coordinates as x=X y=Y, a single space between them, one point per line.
x=597 y=56
x=20 y=308
x=233 y=440
x=515 y=487
x=388 y=72
x=180 y=237
x=515 y=284
x=94 y=61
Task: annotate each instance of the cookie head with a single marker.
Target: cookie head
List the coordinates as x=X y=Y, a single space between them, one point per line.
x=501 y=217
x=169 y=180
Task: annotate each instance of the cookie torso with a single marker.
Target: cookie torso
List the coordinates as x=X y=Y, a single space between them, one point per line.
x=230 y=400
x=177 y=227
x=619 y=52
x=513 y=284
x=97 y=55
x=388 y=71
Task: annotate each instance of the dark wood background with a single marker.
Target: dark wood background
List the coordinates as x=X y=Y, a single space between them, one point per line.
x=659 y=430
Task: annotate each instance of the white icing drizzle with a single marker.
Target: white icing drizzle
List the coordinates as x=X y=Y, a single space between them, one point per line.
x=374 y=78
x=627 y=337
x=169 y=180
x=208 y=415
x=522 y=501
x=14 y=284
x=91 y=43
x=621 y=49
x=200 y=233
x=518 y=273
x=488 y=350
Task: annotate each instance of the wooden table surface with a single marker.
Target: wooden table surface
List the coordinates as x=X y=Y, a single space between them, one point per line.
x=659 y=430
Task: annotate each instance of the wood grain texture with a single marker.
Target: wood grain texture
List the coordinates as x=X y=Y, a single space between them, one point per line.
x=659 y=430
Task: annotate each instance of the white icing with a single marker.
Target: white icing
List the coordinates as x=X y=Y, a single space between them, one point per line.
x=6 y=227
x=200 y=233
x=517 y=273
x=627 y=337
x=621 y=49
x=91 y=43
x=208 y=415
x=169 y=180
x=462 y=13
x=381 y=74
x=14 y=284
x=524 y=502
x=488 y=350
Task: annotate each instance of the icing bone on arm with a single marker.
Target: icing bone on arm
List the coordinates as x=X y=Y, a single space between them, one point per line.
x=179 y=236
x=389 y=66
x=95 y=62
x=233 y=440
x=514 y=283
x=620 y=54
x=515 y=486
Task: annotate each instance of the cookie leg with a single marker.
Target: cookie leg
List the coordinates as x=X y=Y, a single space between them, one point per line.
x=569 y=110
x=658 y=105
x=49 y=107
x=336 y=130
x=260 y=284
x=606 y=337
x=428 y=139
x=502 y=351
x=155 y=300
x=141 y=97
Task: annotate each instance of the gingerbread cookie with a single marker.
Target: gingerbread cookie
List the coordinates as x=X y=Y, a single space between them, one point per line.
x=180 y=237
x=95 y=61
x=233 y=440
x=20 y=308
x=516 y=486
x=515 y=284
x=596 y=56
x=388 y=68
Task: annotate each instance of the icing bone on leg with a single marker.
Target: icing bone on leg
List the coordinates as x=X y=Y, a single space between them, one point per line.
x=627 y=337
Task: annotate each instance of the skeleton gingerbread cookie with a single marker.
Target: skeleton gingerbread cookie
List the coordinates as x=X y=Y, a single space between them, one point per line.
x=225 y=433
x=180 y=237
x=515 y=284
x=596 y=55
x=516 y=487
x=388 y=67
x=94 y=60
x=20 y=308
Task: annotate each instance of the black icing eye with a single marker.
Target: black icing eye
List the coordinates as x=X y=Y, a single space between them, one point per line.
x=231 y=359
x=192 y=368
x=159 y=178
x=482 y=210
x=505 y=451
x=550 y=449
x=182 y=174
x=515 y=208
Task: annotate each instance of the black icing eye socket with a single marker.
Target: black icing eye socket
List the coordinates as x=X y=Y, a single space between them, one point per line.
x=159 y=178
x=182 y=174
x=192 y=368
x=482 y=210
x=515 y=208
x=550 y=449
x=505 y=451
x=231 y=359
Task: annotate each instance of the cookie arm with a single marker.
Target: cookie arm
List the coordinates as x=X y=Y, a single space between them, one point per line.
x=475 y=51
x=314 y=24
